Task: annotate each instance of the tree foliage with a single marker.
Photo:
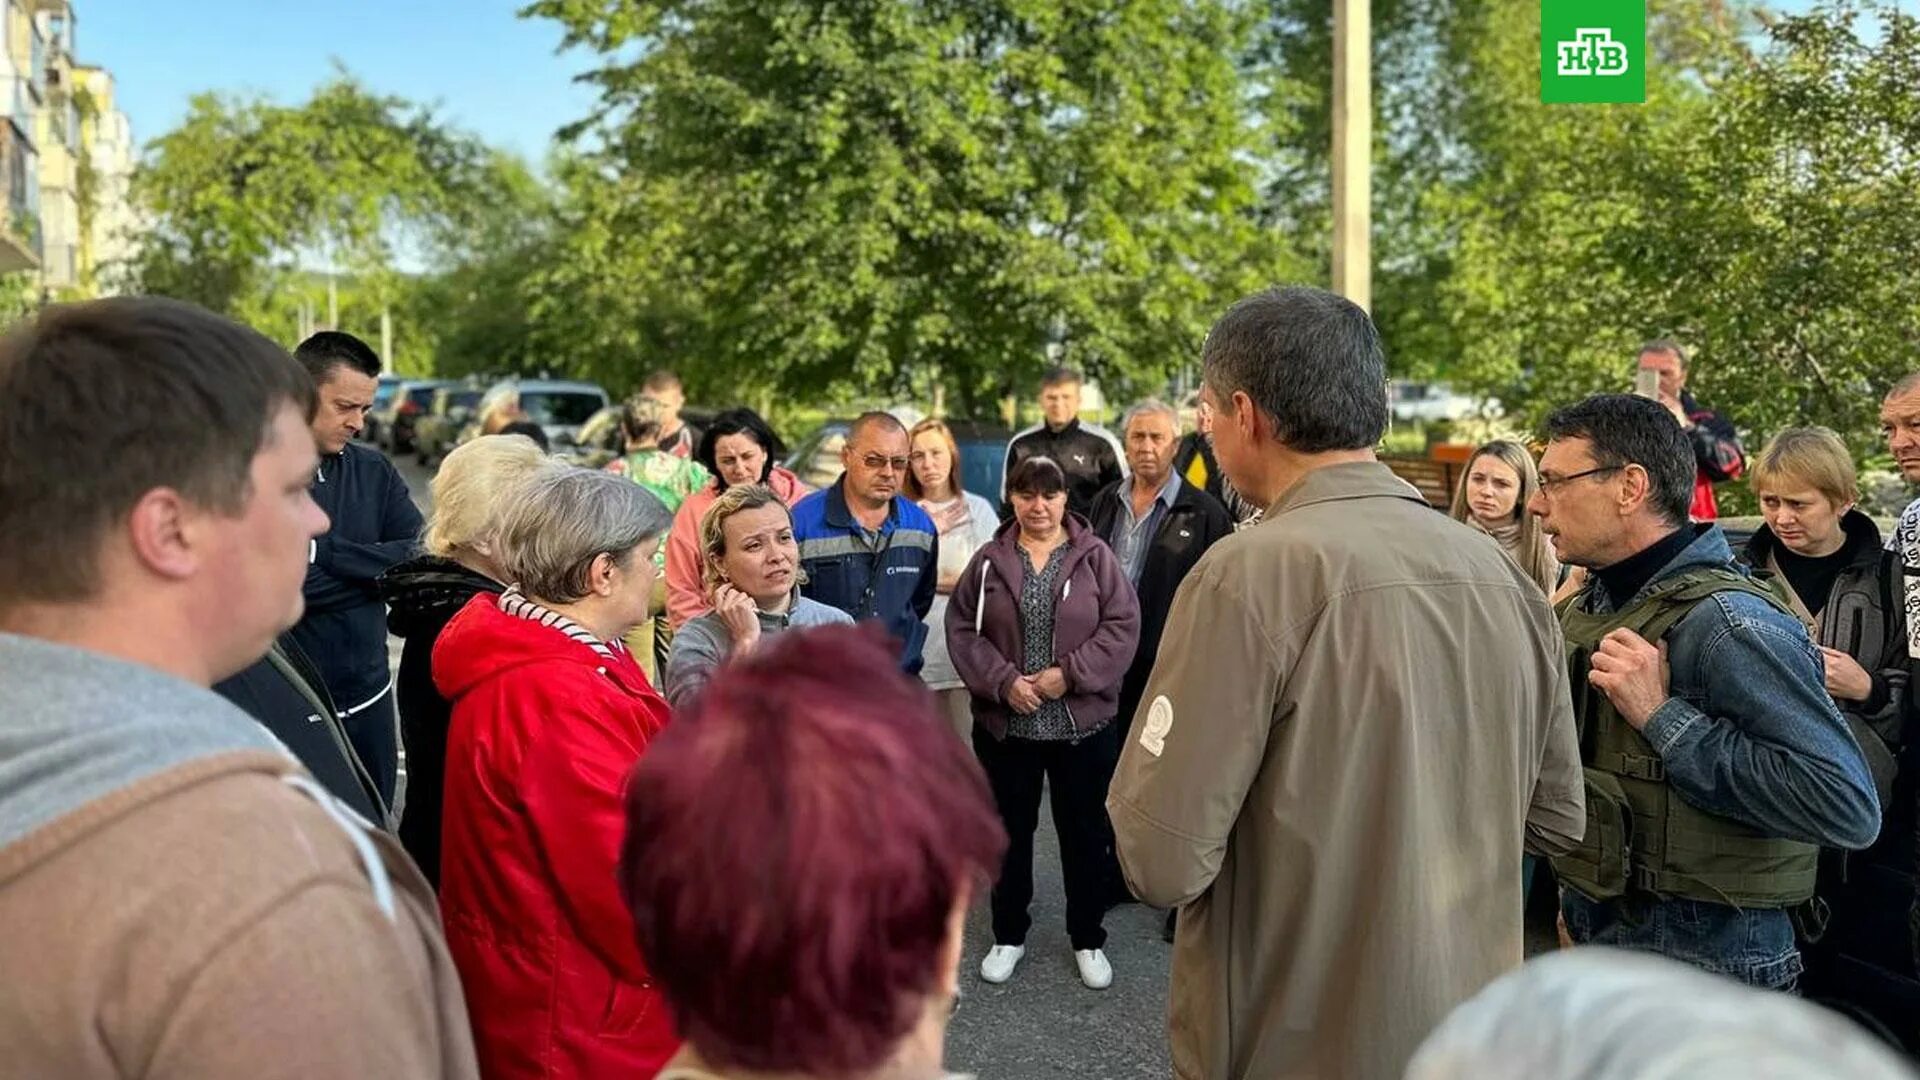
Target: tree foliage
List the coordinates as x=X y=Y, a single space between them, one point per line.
x=882 y=194
x=1763 y=207
x=245 y=193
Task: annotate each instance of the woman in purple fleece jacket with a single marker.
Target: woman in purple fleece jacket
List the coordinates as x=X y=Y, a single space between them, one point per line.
x=1041 y=627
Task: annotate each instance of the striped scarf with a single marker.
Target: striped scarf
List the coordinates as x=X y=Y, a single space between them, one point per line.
x=517 y=605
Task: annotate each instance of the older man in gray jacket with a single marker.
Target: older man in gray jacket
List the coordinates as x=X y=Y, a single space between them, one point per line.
x=1358 y=722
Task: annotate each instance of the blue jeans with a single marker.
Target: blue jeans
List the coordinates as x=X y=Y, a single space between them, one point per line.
x=1753 y=945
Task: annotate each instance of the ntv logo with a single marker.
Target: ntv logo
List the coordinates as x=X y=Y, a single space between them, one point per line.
x=1592 y=52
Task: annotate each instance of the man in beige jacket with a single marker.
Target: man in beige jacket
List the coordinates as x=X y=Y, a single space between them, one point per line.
x=178 y=898
x=1358 y=720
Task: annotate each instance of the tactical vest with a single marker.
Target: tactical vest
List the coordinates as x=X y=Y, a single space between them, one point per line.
x=1642 y=838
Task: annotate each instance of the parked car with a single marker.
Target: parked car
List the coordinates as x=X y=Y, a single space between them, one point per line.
x=436 y=432
x=408 y=403
x=382 y=394
x=1428 y=401
x=560 y=407
x=983 y=455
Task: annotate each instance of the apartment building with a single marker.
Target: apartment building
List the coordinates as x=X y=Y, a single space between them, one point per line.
x=22 y=89
x=66 y=157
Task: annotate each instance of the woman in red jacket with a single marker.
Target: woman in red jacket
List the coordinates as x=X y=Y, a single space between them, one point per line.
x=550 y=712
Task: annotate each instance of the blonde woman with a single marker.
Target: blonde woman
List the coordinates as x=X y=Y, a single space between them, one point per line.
x=461 y=562
x=1848 y=591
x=1492 y=497
x=751 y=569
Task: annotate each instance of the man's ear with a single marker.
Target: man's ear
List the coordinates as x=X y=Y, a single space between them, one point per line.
x=169 y=535
x=1252 y=424
x=1636 y=490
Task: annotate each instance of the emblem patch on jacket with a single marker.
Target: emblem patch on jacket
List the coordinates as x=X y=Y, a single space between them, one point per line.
x=1153 y=735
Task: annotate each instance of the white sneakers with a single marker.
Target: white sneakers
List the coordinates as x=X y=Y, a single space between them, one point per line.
x=1000 y=961
x=1094 y=969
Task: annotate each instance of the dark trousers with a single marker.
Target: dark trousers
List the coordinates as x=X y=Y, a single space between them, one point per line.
x=376 y=739
x=1078 y=772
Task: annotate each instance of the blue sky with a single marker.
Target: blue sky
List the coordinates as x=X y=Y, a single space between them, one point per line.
x=489 y=72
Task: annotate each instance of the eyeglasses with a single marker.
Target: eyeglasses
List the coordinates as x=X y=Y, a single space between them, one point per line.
x=876 y=462
x=1549 y=482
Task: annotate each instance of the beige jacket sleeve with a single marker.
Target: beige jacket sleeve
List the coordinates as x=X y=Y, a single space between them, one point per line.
x=1196 y=745
x=322 y=984
x=1557 y=817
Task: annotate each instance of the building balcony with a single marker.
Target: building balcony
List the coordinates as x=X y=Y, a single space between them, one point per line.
x=20 y=231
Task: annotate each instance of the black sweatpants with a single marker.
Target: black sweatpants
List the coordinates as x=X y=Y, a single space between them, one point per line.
x=1078 y=772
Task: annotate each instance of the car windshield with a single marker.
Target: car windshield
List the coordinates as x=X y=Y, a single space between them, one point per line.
x=465 y=399
x=563 y=407
x=383 y=393
x=420 y=395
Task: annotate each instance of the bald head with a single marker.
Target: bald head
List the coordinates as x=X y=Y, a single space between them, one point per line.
x=875 y=423
x=875 y=459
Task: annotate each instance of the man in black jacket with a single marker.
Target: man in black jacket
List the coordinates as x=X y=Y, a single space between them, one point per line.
x=1087 y=453
x=1159 y=526
x=284 y=693
x=374 y=525
x=1718 y=455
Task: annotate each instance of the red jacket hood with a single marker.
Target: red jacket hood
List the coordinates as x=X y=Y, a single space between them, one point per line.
x=482 y=642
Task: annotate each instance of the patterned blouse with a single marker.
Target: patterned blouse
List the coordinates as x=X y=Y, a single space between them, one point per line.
x=1052 y=722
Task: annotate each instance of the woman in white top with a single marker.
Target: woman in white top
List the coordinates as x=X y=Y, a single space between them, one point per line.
x=966 y=523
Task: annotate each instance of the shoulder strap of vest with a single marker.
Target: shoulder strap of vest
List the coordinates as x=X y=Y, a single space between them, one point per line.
x=1680 y=593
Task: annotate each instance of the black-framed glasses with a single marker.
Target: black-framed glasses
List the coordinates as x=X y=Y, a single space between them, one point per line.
x=1549 y=483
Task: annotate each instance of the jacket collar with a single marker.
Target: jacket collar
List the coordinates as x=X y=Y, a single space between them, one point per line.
x=1337 y=483
x=1863 y=536
x=840 y=516
x=1709 y=548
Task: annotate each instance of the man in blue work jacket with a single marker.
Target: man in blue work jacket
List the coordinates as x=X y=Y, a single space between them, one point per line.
x=867 y=549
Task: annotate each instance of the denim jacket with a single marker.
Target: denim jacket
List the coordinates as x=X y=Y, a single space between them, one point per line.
x=1749 y=733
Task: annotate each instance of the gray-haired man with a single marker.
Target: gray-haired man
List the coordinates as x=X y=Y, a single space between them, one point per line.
x=1358 y=714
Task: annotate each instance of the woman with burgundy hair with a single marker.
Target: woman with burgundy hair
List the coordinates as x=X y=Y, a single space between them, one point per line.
x=801 y=849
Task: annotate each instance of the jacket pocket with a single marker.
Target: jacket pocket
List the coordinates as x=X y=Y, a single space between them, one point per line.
x=1600 y=866
x=627 y=1008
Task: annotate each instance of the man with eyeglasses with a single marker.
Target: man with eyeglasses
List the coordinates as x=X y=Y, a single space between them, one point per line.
x=864 y=547
x=1716 y=763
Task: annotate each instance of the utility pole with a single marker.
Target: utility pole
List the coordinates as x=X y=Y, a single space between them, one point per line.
x=386 y=336
x=1353 y=150
x=333 y=303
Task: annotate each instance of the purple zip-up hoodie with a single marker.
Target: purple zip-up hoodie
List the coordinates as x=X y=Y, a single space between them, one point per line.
x=1096 y=626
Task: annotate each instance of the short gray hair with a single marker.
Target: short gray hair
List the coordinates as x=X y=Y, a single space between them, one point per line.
x=563 y=518
x=1668 y=346
x=1908 y=384
x=1594 y=1013
x=1310 y=360
x=1149 y=407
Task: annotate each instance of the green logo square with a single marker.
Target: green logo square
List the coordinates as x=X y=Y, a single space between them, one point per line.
x=1593 y=51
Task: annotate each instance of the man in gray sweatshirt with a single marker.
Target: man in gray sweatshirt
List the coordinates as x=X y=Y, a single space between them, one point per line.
x=178 y=898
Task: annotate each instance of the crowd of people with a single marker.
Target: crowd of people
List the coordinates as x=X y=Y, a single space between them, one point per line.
x=704 y=770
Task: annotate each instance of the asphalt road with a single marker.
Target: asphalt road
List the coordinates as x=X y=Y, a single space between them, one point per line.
x=1043 y=1023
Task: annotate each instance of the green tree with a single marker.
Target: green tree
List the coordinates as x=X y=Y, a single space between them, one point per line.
x=246 y=194
x=887 y=195
x=1764 y=207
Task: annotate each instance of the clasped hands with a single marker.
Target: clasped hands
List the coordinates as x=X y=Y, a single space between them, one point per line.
x=1029 y=692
